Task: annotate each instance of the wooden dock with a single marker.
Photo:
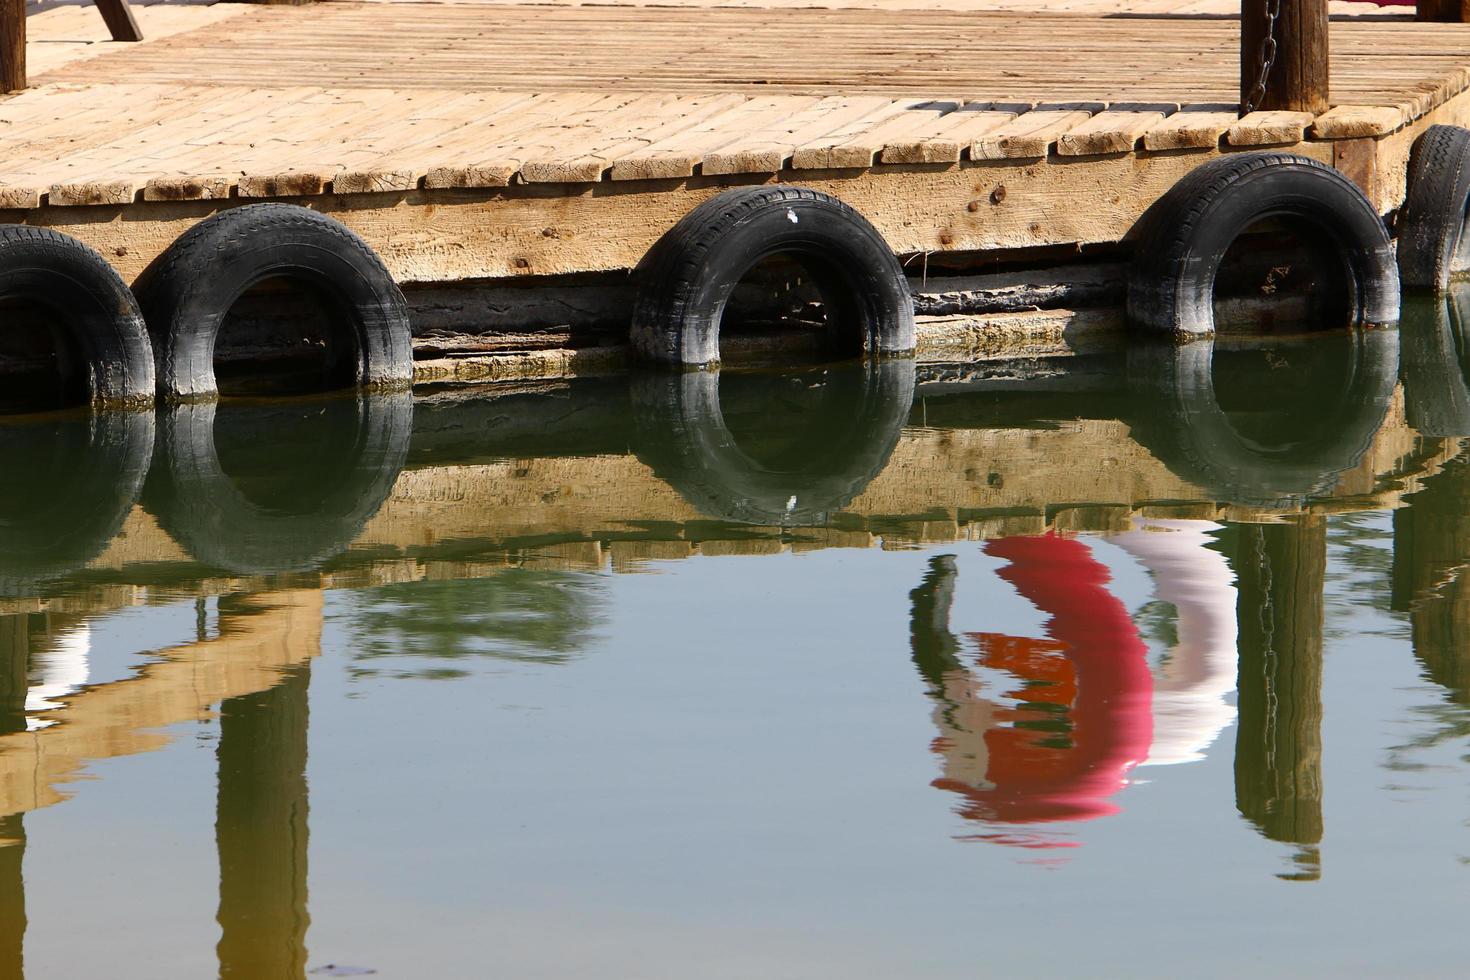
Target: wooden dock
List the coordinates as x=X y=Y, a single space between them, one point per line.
x=566 y=139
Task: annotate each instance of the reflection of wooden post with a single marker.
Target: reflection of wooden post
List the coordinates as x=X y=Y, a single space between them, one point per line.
x=1280 y=570
x=14 y=662
x=1450 y=11
x=935 y=649
x=1298 y=77
x=261 y=831
x=12 y=45
x=1431 y=580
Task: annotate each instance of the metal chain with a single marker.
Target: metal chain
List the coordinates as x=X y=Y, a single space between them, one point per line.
x=1268 y=55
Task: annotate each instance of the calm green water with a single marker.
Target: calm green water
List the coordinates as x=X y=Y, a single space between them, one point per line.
x=1146 y=663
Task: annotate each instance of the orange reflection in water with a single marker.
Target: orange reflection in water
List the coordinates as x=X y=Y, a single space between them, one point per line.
x=1060 y=743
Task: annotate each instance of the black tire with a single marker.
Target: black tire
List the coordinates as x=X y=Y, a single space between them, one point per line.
x=852 y=416
x=103 y=350
x=1181 y=240
x=1433 y=246
x=689 y=274
x=67 y=486
x=188 y=290
x=1177 y=415
x=336 y=461
x=1436 y=360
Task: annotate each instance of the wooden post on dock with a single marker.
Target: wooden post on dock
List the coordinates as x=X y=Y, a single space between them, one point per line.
x=1443 y=11
x=12 y=45
x=1286 y=41
x=118 y=16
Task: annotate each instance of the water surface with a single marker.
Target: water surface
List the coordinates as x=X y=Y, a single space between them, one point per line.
x=1146 y=663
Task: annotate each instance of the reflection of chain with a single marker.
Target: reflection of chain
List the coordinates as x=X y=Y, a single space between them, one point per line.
x=1268 y=56
x=1268 y=646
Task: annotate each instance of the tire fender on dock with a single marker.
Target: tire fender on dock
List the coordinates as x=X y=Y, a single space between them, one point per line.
x=690 y=273
x=107 y=359
x=349 y=452
x=1433 y=246
x=1181 y=240
x=188 y=291
x=683 y=436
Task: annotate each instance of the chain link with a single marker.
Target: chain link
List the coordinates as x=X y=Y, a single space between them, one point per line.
x=1268 y=56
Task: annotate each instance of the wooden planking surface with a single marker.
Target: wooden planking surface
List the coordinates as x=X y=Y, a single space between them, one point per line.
x=352 y=98
x=1037 y=57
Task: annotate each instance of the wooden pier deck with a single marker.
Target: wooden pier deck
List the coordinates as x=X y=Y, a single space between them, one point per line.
x=490 y=140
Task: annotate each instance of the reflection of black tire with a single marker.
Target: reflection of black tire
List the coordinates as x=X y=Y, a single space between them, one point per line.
x=1178 y=417
x=1183 y=238
x=851 y=423
x=1432 y=243
x=1436 y=356
x=187 y=292
x=65 y=490
x=104 y=353
x=326 y=467
x=689 y=274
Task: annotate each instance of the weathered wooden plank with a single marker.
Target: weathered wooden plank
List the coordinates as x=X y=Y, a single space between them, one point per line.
x=1192 y=127
x=1271 y=128
x=1115 y=130
x=678 y=155
x=1347 y=122
x=952 y=135
x=1032 y=134
x=768 y=149
x=523 y=230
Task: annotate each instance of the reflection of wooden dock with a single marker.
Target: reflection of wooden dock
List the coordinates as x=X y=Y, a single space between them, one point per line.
x=473 y=141
x=447 y=521
x=273 y=632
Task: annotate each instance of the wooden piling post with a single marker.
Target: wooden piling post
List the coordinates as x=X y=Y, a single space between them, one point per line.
x=1443 y=11
x=1288 y=40
x=12 y=45
x=118 y=16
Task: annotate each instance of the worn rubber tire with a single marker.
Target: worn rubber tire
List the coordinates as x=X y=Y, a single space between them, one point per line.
x=106 y=358
x=1181 y=240
x=689 y=274
x=1176 y=416
x=187 y=292
x=67 y=486
x=683 y=437
x=1433 y=246
x=1436 y=364
x=363 y=441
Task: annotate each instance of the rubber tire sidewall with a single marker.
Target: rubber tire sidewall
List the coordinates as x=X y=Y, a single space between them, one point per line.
x=689 y=275
x=188 y=292
x=97 y=312
x=1180 y=246
x=1431 y=227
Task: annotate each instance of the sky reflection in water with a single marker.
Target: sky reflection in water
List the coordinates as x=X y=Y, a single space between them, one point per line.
x=1140 y=663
